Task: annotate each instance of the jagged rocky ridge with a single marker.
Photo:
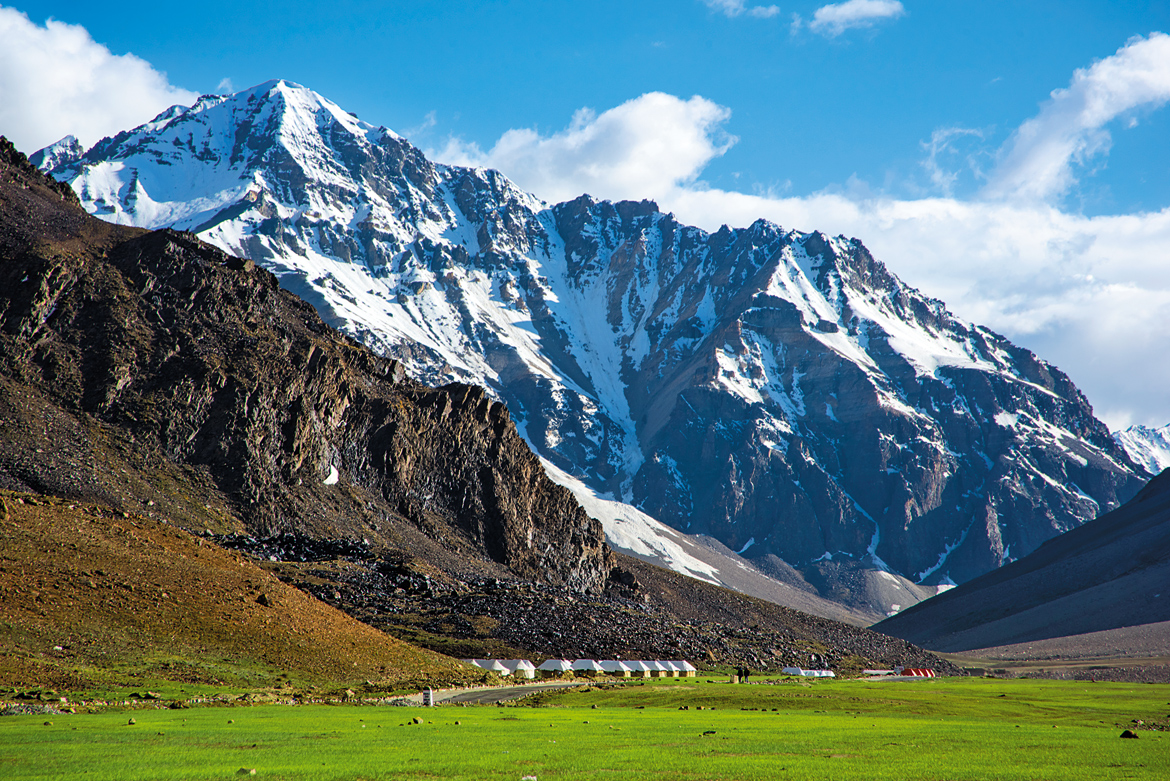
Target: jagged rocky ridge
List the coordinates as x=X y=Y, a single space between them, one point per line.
x=204 y=360
x=778 y=390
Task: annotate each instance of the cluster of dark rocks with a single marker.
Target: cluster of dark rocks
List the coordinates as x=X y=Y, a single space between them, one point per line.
x=294 y=546
x=545 y=621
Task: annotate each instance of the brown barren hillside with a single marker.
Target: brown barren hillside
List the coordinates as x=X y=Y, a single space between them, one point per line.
x=92 y=595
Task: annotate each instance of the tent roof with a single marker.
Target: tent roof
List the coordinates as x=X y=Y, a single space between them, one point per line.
x=490 y=664
x=518 y=664
x=556 y=665
x=587 y=664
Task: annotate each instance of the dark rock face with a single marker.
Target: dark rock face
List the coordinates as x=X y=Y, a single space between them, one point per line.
x=201 y=358
x=780 y=391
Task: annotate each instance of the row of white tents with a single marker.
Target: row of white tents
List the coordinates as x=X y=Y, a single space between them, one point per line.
x=619 y=669
x=809 y=673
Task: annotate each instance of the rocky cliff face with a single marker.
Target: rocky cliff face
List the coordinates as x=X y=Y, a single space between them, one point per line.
x=778 y=390
x=204 y=361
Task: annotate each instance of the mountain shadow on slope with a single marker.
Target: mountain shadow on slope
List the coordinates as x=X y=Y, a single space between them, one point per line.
x=1110 y=573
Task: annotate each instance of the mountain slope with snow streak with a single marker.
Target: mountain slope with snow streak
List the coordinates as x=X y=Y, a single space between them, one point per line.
x=779 y=391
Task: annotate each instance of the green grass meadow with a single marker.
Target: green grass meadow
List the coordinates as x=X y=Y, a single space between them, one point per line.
x=941 y=729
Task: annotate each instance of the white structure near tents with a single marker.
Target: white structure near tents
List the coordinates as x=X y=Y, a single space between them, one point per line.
x=660 y=669
x=809 y=673
x=520 y=668
x=614 y=667
x=587 y=666
x=687 y=670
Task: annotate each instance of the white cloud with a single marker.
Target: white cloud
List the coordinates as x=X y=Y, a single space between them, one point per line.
x=55 y=80
x=943 y=145
x=834 y=19
x=1089 y=294
x=734 y=8
x=225 y=86
x=1038 y=161
x=651 y=144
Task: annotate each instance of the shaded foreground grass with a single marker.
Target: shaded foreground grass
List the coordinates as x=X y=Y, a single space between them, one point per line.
x=944 y=729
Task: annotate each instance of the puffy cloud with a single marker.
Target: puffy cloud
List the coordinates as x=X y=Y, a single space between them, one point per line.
x=56 y=80
x=648 y=145
x=734 y=8
x=833 y=19
x=1089 y=294
x=1037 y=163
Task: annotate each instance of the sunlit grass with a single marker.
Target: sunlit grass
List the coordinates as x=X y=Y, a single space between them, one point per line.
x=944 y=729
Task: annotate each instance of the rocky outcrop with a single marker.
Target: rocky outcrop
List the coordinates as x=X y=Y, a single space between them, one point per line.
x=202 y=359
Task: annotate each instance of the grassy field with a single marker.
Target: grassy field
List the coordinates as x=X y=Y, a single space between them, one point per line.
x=941 y=729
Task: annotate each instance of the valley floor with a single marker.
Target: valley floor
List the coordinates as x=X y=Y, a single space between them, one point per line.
x=1132 y=653
x=683 y=729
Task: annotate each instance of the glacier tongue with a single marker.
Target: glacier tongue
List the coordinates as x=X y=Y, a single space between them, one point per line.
x=756 y=384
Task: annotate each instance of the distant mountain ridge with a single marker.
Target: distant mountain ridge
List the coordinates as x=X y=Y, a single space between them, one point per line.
x=1148 y=447
x=779 y=391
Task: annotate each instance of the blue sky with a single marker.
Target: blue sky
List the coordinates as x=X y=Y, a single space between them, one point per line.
x=809 y=110
x=930 y=130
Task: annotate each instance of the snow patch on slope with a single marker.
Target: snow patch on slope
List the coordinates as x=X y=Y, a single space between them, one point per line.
x=630 y=530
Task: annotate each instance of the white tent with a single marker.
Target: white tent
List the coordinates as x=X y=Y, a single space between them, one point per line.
x=555 y=667
x=640 y=669
x=587 y=666
x=614 y=667
x=491 y=665
x=809 y=673
x=521 y=668
x=686 y=669
x=660 y=669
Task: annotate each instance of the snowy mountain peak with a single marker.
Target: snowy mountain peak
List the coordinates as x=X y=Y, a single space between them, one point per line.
x=58 y=155
x=1149 y=447
x=757 y=383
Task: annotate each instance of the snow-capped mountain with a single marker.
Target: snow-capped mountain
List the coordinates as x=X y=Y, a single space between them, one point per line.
x=1148 y=447
x=779 y=391
x=67 y=150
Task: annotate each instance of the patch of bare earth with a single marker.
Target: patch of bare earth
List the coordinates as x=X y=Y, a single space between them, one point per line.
x=89 y=594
